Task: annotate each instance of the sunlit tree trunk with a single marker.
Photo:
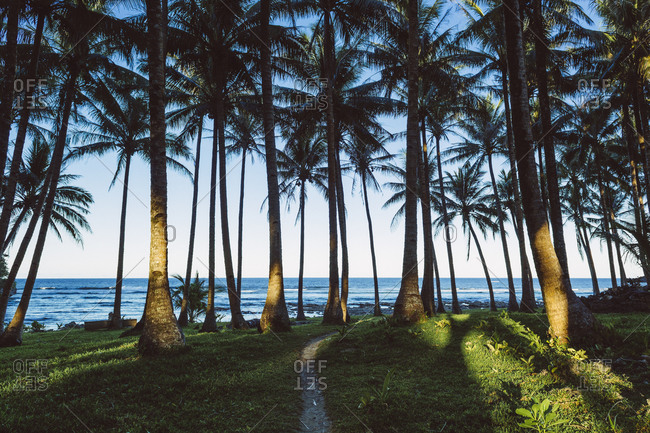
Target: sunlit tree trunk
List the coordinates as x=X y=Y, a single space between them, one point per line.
x=455 y=305
x=116 y=323
x=555 y=207
x=486 y=271
x=427 y=296
x=569 y=319
x=275 y=315
x=19 y=144
x=512 y=295
x=408 y=305
x=333 y=313
x=527 y=304
x=12 y=336
x=182 y=317
x=161 y=331
x=375 y=280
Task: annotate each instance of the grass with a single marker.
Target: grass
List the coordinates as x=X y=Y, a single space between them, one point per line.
x=464 y=373
x=227 y=382
x=471 y=372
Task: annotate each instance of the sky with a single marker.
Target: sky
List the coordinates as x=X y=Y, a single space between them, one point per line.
x=97 y=257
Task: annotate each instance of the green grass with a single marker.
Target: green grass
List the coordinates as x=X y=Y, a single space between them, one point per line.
x=465 y=373
x=224 y=382
x=470 y=372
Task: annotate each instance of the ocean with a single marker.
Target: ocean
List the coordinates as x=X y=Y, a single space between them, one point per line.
x=64 y=300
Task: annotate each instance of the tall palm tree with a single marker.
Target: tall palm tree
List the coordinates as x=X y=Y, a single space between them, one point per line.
x=569 y=319
x=119 y=121
x=161 y=331
x=365 y=159
x=484 y=129
x=469 y=200
x=300 y=164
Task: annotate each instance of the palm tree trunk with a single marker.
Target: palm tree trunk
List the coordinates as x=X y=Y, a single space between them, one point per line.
x=408 y=305
x=240 y=225
x=604 y=206
x=210 y=320
x=569 y=319
x=428 y=300
x=333 y=313
x=161 y=331
x=19 y=143
x=377 y=309
x=512 y=298
x=301 y=269
x=116 y=322
x=275 y=315
x=528 y=303
x=638 y=100
x=12 y=336
x=7 y=95
x=20 y=256
x=441 y=306
x=542 y=177
x=237 y=319
x=182 y=317
x=586 y=245
x=16 y=225
x=345 y=264
x=555 y=208
x=486 y=271
x=619 y=257
x=455 y=305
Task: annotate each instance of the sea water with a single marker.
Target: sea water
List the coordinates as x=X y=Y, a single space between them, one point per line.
x=64 y=300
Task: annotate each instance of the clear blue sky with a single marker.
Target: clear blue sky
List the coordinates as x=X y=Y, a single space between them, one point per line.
x=98 y=257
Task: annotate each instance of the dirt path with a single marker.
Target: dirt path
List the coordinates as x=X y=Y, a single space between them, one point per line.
x=314 y=418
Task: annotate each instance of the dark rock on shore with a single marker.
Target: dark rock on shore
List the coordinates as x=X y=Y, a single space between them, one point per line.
x=627 y=299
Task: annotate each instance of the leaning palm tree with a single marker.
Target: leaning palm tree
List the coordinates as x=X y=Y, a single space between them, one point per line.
x=69 y=209
x=365 y=159
x=484 y=130
x=469 y=200
x=301 y=163
x=161 y=331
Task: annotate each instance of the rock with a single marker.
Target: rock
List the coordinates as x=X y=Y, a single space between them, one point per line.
x=630 y=298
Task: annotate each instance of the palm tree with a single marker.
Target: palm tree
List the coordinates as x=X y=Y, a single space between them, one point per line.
x=301 y=163
x=242 y=134
x=81 y=36
x=469 y=200
x=161 y=331
x=569 y=319
x=195 y=298
x=485 y=134
x=41 y=10
x=120 y=122
x=365 y=159
x=70 y=207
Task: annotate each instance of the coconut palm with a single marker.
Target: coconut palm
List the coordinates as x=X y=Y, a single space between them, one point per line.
x=468 y=199
x=300 y=164
x=70 y=207
x=118 y=121
x=365 y=159
x=569 y=319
